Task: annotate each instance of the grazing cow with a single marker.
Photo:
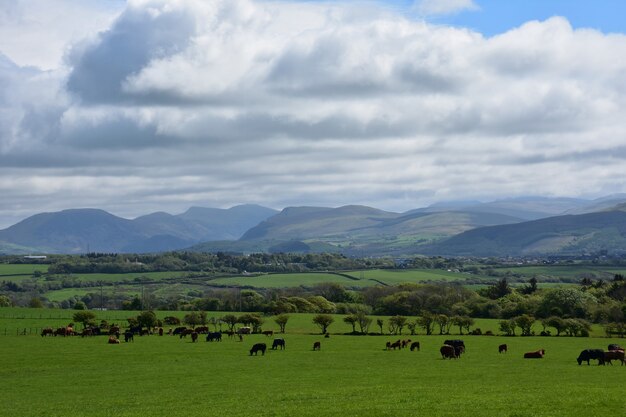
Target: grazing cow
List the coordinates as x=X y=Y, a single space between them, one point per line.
x=455 y=343
x=230 y=334
x=202 y=329
x=136 y=329
x=160 y=331
x=244 y=330
x=129 y=336
x=185 y=332
x=194 y=337
x=113 y=340
x=458 y=350
x=61 y=331
x=268 y=333
x=614 y=346
x=538 y=354
x=448 y=352
x=179 y=330
x=415 y=346
x=47 y=332
x=588 y=354
x=394 y=345
x=317 y=346
x=214 y=336
x=278 y=343
x=612 y=355
x=258 y=347
x=503 y=348
x=406 y=343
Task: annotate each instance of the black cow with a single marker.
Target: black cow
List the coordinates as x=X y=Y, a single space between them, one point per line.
x=415 y=346
x=588 y=354
x=129 y=336
x=448 y=352
x=258 y=347
x=179 y=330
x=214 y=337
x=278 y=343
x=614 y=346
x=455 y=343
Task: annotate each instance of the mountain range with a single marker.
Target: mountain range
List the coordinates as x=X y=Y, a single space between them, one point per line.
x=511 y=227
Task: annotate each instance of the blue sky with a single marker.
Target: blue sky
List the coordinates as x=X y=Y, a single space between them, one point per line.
x=493 y=17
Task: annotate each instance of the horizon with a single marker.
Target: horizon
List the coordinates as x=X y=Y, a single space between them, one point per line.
x=393 y=104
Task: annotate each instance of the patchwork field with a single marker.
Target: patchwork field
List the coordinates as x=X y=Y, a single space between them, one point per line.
x=350 y=375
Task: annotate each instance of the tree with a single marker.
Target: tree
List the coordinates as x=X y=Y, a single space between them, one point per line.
x=380 y=323
x=323 y=321
x=507 y=327
x=147 y=319
x=396 y=324
x=364 y=322
x=79 y=305
x=5 y=301
x=412 y=325
x=499 y=289
x=444 y=323
x=230 y=320
x=86 y=318
x=351 y=319
x=252 y=320
x=35 y=302
x=281 y=320
x=556 y=322
x=192 y=319
x=427 y=322
x=463 y=322
x=525 y=322
x=531 y=287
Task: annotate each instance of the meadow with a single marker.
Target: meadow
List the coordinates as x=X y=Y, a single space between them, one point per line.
x=350 y=375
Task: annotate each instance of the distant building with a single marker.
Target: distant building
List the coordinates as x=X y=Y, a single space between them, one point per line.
x=35 y=257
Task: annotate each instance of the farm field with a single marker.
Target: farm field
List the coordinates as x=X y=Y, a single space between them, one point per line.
x=565 y=271
x=350 y=375
x=17 y=269
x=292 y=280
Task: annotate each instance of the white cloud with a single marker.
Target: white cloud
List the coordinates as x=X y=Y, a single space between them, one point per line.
x=224 y=102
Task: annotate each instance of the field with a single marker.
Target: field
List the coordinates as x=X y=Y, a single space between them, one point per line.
x=351 y=375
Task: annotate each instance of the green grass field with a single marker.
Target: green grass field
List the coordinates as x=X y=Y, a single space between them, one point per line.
x=566 y=271
x=16 y=269
x=350 y=376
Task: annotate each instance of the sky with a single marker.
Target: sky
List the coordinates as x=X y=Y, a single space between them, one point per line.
x=151 y=105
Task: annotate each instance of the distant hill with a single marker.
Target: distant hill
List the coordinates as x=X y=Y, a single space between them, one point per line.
x=562 y=235
x=94 y=230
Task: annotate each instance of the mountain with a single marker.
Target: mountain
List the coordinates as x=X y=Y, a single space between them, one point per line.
x=527 y=208
x=365 y=230
x=559 y=235
x=85 y=230
x=601 y=204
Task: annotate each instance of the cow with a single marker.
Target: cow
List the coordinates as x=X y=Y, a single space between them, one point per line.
x=415 y=346
x=144 y=332
x=194 y=337
x=317 y=346
x=278 y=343
x=614 y=355
x=538 y=354
x=114 y=330
x=230 y=334
x=160 y=331
x=455 y=343
x=214 y=336
x=503 y=348
x=268 y=333
x=406 y=343
x=185 y=332
x=394 y=345
x=179 y=330
x=113 y=340
x=458 y=350
x=86 y=332
x=61 y=331
x=202 y=329
x=448 y=352
x=614 y=346
x=244 y=330
x=258 y=347
x=129 y=336
x=47 y=332
x=588 y=354
x=136 y=329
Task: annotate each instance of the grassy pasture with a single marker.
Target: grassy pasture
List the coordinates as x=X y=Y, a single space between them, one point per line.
x=20 y=269
x=351 y=376
x=566 y=271
x=291 y=280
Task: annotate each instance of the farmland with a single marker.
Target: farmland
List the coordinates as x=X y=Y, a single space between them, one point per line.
x=351 y=375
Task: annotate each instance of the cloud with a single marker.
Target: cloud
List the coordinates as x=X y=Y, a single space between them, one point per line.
x=443 y=7
x=221 y=102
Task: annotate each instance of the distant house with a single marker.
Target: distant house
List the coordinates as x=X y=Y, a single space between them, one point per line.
x=36 y=257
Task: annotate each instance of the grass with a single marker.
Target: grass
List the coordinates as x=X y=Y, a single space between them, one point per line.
x=351 y=375
x=291 y=280
x=20 y=269
x=565 y=271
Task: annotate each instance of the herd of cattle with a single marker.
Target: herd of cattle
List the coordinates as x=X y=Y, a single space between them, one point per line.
x=451 y=349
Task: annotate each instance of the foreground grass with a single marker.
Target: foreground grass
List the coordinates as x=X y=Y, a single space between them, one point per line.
x=351 y=376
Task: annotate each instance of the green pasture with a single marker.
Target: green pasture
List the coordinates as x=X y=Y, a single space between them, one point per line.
x=401 y=276
x=350 y=376
x=21 y=269
x=565 y=271
x=291 y=280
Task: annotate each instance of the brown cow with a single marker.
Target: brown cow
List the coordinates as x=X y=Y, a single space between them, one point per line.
x=414 y=346
x=612 y=355
x=448 y=352
x=394 y=345
x=503 y=348
x=194 y=337
x=113 y=340
x=406 y=343
x=47 y=332
x=268 y=333
x=538 y=354
x=317 y=346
